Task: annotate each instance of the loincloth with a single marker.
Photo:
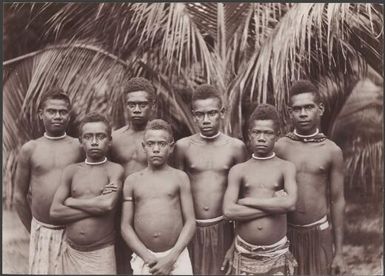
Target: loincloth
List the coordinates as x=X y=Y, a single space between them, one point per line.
x=212 y=239
x=312 y=246
x=100 y=261
x=182 y=265
x=45 y=248
x=275 y=259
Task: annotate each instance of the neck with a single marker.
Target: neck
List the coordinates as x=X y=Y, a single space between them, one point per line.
x=263 y=158
x=54 y=137
x=210 y=137
x=306 y=135
x=156 y=168
x=94 y=163
x=137 y=127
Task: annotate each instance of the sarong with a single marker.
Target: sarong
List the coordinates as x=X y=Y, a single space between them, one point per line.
x=312 y=246
x=209 y=245
x=45 y=248
x=182 y=265
x=274 y=259
x=99 y=261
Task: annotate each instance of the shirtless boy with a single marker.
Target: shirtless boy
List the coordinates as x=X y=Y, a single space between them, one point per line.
x=255 y=200
x=39 y=168
x=319 y=164
x=86 y=202
x=158 y=216
x=126 y=149
x=207 y=158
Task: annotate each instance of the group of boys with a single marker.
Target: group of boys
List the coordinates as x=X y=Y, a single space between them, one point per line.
x=133 y=201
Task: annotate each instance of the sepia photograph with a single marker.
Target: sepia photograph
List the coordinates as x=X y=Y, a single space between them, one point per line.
x=193 y=138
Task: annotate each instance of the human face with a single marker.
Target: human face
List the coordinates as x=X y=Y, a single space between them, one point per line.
x=305 y=113
x=55 y=116
x=207 y=115
x=158 y=146
x=139 y=107
x=95 y=140
x=262 y=136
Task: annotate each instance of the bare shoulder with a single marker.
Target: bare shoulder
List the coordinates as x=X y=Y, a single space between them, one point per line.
x=71 y=169
x=184 y=142
x=238 y=168
x=28 y=148
x=115 y=168
x=179 y=174
x=235 y=142
x=332 y=146
x=281 y=143
x=285 y=164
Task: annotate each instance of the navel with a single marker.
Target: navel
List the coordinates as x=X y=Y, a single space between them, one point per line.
x=156 y=235
x=206 y=208
x=259 y=228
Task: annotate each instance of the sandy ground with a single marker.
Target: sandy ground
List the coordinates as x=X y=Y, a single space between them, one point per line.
x=363 y=249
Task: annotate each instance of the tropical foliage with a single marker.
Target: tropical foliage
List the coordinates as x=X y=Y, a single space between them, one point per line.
x=251 y=51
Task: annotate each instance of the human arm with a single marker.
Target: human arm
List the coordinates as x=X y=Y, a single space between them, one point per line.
x=277 y=204
x=241 y=153
x=337 y=205
x=178 y=154
x=165 y=264
x=105 y=202
x=228 y=259
x=233 y=210
x=22 y=182
x=126 y=225
x=59 y=212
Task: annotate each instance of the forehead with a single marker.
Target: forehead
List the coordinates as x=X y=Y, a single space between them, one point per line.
x=137 y=96
x=94 y=127
x=262 y=125
x=55 y=104
x=156 y=135
x=303 y=99
x=206 y=104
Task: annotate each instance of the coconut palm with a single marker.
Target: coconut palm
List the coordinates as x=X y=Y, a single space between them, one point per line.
x=251 y=51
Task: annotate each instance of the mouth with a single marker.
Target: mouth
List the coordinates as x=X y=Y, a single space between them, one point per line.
x=95 y=150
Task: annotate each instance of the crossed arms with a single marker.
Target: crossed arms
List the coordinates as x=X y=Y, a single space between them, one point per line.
x=66 y=209
x=251 y=208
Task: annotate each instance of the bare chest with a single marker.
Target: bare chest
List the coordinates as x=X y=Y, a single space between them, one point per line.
x=48 y=158
x=130 y=150
x=89 y=182
x=309 y=158
x=261 y=181
x=201 y=158
x=156 y=190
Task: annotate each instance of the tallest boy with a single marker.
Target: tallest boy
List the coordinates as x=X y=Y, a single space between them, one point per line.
x=320 y=181
x=207 y=158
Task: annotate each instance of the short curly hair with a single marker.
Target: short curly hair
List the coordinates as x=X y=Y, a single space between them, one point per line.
x=92 y=118
x=265 y=112
x=139 y=84
x=54 y=94
x=206 y=91
x=304 y=86
x=159 y=124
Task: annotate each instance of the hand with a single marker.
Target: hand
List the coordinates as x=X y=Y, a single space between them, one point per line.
x=68 y=202
x=228 y=260
x=243 y=201
x=280 y=193
x=150 y=260
x=338 y=265
x=164 y=266
x=109 y=188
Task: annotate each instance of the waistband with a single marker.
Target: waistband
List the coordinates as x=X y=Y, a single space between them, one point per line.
x=322 y=223
x=271 y=250
x=49 y=226
x=88 y=248
x=209 y=221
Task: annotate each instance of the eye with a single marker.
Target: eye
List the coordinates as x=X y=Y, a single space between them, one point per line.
x=63 y=112
x=143 y=105
x=101 y=136
x=50 y=111
x=87 y=136
x=212 y=113
x=131 y=105
x=163 y=144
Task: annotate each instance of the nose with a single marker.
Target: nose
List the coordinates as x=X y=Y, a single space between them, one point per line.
x=206 y=119
x=94 y=142
x=261 y=138
x=57 y=115
x=155 y=148
x=136 y=109
x=303 y=113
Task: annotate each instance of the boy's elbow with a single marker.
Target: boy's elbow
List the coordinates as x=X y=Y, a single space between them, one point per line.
x=227 y=213
x=292 y=205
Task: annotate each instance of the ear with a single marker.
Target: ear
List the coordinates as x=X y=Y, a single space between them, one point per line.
x=321 y=108
x=172 y=146
x=143 y=146
x=290 y=110
x=222 y=112
x=40 y=114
